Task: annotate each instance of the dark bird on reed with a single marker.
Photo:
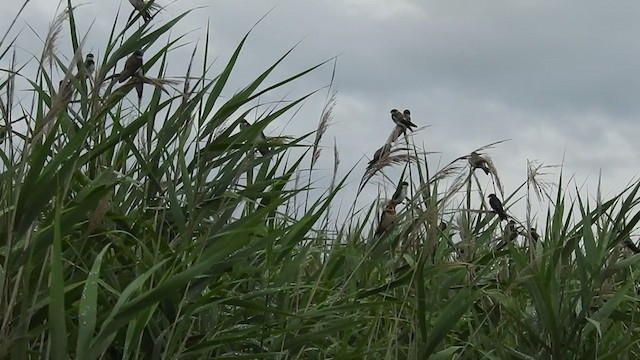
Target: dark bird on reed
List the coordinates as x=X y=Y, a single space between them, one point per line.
x=399 y=119
x=132 y=66
x=496 y=205
x=407 y=117
x=65 y=90
x=509 y=235
x=261 y=139
x=89 y=64
x=387 y=218
x=477 y=161
x=401 y=193
x=384 y=150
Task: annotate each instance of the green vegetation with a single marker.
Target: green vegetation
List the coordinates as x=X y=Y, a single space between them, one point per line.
x=162 y=233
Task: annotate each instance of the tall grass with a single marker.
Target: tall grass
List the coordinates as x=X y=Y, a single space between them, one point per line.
x=160 y=232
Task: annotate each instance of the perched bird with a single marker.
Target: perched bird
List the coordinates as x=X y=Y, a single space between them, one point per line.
x=510 y=234
x=89 y=64
x=401 y=120
x=400 y=194
x=443 y=226
x=477 y=161
x=384 y=150
x=144 y=8
x=261 y=138
x=65 y=90
x=387 y=218
x=407 y=115
x=132 y=66
x=496 y=205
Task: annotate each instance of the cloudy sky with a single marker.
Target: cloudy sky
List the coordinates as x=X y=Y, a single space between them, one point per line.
x=559 y=78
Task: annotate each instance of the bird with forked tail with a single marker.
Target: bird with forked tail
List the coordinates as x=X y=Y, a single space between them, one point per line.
x=380 y=153
x=401 y=193
x=402 y=120
x=497 y=207
x=261 y=139
x=132 y=66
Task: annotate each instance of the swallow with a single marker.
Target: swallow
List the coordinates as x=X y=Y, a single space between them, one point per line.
x=143 y=8
x=132 y=66
x=476 y=161
x=262 y=149
x=89 y=64
x=631 y=246
x=65 y=90
x=400 y=120
x=384 y=150
x=496 y=205
x=387 y=218
x=509 y=235
x=400 y=194
x=407 y=116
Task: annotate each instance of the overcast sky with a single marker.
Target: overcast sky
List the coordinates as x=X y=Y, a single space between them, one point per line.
x=558 y=78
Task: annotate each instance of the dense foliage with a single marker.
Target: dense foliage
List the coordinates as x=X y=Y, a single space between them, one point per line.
x=160 y=232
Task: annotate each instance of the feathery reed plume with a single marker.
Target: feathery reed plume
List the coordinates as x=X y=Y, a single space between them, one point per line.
x=396 y=156
x=144 y=8
x=535 y=174
x=323 y=124
x=64 y=94
x=49 y=48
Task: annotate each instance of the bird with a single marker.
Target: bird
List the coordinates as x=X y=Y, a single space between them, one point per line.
x=65 y=90
x=477 y=161
x=89 y=64
x=380 y=153
x=401 y=120
x=387 y=218
x=131 y=67
x=510 y=234
x=511 y=231
x=407 y=116
x=400 y=194
x=262 y=148
x=144 y=8
x=496 y=205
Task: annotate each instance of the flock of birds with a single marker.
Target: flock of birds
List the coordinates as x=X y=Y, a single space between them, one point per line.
x=133 y=69
x=403 y=122
x=476 y=161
